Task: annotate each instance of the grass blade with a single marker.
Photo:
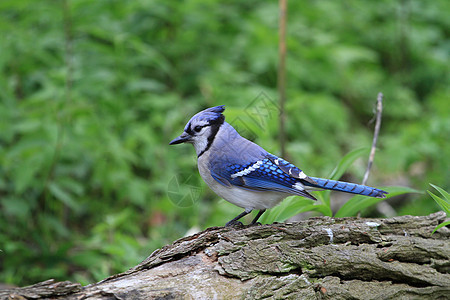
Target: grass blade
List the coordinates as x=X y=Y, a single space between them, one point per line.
x=347 y=161
x=442 y=191
x=441 y=225
x=291 y=207
x=359 y=202
x=445 y=205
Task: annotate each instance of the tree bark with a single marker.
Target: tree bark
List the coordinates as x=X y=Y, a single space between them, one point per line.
x=320 y=258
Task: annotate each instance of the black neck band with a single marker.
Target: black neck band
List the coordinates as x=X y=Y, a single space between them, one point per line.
x=214 y=129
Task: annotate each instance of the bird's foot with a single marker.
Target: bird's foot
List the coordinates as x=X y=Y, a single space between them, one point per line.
x=255 y=224
x=234 y=223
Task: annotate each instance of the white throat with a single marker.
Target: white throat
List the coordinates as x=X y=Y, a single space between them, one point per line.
x=200 y=145
x=204 y=142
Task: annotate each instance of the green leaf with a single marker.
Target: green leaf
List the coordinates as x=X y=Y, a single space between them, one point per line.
x=340 y=169
x=285 y=210
x=324 y=197
x=445 y=205
x=62 y=195
x=322 y=208
x=440 y=226
x=347 y=161
x=442 y=191
x=360 y=202
x=16 y=207
x=293 y=206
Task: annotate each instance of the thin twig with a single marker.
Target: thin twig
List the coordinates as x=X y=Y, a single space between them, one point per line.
x=378 y=113
x=375 y=136
x=282 y=74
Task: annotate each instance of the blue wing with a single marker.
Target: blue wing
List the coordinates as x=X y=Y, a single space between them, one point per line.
x=262 y=175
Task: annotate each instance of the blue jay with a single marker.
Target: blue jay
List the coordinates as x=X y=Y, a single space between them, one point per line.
x=245 y=174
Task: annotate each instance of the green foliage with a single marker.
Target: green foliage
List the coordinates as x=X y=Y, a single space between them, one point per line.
x=443 y=203
x=91 y=92
x=358 y=203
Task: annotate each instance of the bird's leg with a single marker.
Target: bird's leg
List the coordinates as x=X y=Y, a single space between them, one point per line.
x=235 y=220
x=257 y=217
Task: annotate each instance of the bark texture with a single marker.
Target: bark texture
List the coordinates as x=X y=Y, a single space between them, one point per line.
x=320 y=258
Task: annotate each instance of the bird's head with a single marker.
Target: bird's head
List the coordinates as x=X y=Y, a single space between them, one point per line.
x=202 y=128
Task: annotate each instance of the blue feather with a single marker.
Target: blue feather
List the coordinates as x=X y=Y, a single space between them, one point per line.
x=262 y=175
x=348 y=187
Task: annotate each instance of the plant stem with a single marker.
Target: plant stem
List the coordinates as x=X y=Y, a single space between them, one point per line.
x=375 y=137
x=282 y=75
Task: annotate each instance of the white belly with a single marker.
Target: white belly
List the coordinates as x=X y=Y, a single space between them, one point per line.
x=239 y=196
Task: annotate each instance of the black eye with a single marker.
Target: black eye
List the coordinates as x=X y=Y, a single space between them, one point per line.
x=197 y=128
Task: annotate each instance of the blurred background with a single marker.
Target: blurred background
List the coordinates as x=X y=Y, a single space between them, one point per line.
x=91 y=92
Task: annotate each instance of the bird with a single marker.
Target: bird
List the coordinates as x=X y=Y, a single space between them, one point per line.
x=243 y=173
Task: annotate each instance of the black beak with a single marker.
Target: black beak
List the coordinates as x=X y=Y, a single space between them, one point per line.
x=184 y=137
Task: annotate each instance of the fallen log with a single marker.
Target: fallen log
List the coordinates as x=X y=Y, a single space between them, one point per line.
x=320 y=258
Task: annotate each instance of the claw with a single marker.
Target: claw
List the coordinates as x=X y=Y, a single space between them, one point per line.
x=234 y=223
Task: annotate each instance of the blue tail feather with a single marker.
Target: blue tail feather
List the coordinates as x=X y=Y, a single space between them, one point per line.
x=347 y=187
